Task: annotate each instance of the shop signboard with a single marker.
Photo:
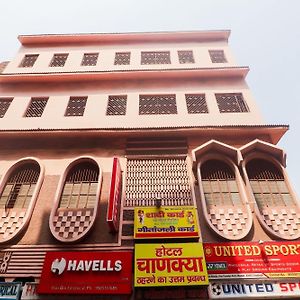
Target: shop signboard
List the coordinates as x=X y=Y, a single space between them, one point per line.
x=115 y=194
x=165 y=222
x=253 y=259
x=240 y=290
x=181 y=264
x=87 y=273
x=29 y=291
x=10 y=290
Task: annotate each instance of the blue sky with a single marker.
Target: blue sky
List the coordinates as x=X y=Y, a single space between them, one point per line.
x=265 y=36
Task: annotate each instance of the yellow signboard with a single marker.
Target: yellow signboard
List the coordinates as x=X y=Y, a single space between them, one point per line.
x=165 y=222
x=169 y=265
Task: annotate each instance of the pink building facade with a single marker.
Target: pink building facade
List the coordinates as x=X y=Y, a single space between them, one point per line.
x=100 y=131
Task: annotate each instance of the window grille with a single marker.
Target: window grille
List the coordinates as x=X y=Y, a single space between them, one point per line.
x=157 y=104
x=20 y=186
x=89 y=59
x=80 y=188
x=268 y=184
x=116 y=105
x=59 y=60
x=155 y=58
x=219 y=184
x=163 y=178
x=186 y=57
x=4 y=105
x=217 y=56
x=29 y=60
x=232 y=102
x=122 y=58
x=36 y=107
x=76 y=106
x=196 y=103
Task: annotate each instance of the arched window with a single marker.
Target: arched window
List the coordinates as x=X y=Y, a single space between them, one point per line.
x=268 y=184
x=19 y=188
x=219 y=184
x=80 y=186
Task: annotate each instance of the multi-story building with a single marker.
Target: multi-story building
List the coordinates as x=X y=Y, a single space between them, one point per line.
x=95 y=125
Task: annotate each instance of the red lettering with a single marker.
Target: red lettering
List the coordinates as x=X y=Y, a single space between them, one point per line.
x=283 y=287
x=292 y=286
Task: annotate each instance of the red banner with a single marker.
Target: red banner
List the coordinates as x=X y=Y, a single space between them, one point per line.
x=115 y=194
x=86 y=273
x=253 y=259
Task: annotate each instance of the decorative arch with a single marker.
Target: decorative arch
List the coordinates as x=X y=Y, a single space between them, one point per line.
x=222 y=192
x=274 y=201
x=19 y=189
x=77 y=200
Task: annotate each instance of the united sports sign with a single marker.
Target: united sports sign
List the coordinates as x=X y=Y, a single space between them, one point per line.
x=86 y=273
x=252 y=259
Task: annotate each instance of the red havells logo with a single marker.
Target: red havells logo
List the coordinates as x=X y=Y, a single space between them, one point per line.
x=87 y=273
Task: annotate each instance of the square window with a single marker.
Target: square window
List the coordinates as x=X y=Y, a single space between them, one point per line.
x=217 y=56
x=122 y=58
x=157 y=104
x=116 y=105
x=155 y=58
x=186 y=57
x=89 y=59
x=76 y=106
x=4 y=105
x=59 y=60
x=196 y=104
x=36 y=107
x=28 y=60
x=231 y=102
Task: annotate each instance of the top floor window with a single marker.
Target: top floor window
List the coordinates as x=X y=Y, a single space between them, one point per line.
x=186 y=57
x=59 y=60
x=4 y=105
x=231 y=102
x=89 y=59
x=217 y=56
x=122 y=58
x=28 y=60
x=155 y=58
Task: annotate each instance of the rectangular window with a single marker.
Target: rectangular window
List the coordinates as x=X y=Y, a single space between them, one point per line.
x=4 y=105
x=116 y=105
x=231 y=102
x=122 y=58
x=157 y=104
x=76 y=106
x=155 y=58
x=59 y=60
x=166 y=179
x=89 y=59
x=186 y=57
x=196 y=104
x=36 y=107
x=217 y=56
x=28 y=60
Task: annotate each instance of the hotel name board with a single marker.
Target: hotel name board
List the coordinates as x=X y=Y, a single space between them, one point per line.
x=170 y=265
x=165 y=222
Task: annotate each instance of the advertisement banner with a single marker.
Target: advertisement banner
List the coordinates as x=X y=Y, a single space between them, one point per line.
x=115 y=195
x=253 y=259
x=10 y=290
x=170 y=265
x=241 y=290
x=86 y=273
x=165 y=222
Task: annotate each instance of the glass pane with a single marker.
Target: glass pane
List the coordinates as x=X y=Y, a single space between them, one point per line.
x=215 y=186
x=209 y=199
x=223 y=186
x=268 y=199
x=264 y=186
x=73 y=201
x=93 y=188
x=255 y=186
x=3 y=201
x=7 y=189
x=19 y=202
x=217 y=199
x=288 y=200
x=76 y=188
x=24 y=189
x=27 y=202
x=91 y=202
x=84 y=188
x=273 y=186
x=235 y=198
x=68 y=189
x=227 y=199
x=82 y=201
x=278 y=201
x=260 y=200
x=206 y=186
x=31 y=189
x=282 y=187
x=233 y=186
x=64 y=200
